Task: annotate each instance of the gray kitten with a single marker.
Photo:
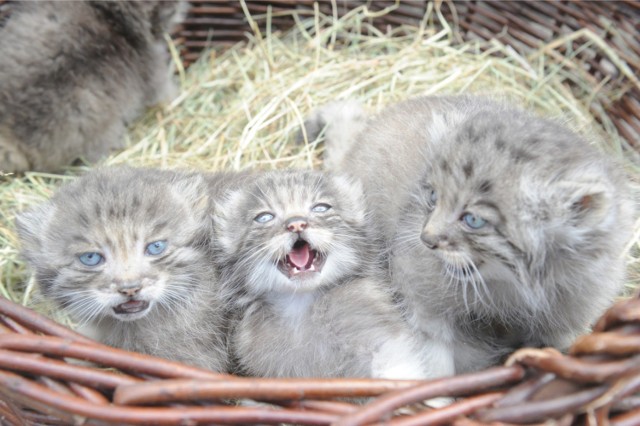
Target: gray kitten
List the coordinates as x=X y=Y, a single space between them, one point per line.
x=505 y=229
x=295 y=252
x=74 y=74
x=127 y=253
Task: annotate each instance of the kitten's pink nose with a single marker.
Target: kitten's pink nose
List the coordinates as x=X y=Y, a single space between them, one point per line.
x=129 y=290
x=434 y=241
x=296 y=224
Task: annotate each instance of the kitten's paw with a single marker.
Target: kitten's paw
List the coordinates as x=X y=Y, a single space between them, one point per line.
x=439 y=402
x=419 y=407
x=397 y=359
x=402 y=371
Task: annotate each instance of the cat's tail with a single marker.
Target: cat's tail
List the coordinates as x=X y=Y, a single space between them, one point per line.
x=340 y=122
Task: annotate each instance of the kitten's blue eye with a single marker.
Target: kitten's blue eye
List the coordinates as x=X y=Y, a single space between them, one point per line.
x=264 y=217
x=433 y=196
x=90 y=258
x=155 y=248
x=320 y=208
x=473 y=221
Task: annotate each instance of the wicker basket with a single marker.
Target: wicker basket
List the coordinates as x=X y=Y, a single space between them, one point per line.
x=595 y=384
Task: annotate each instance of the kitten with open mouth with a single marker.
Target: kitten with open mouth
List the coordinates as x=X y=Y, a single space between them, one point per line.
x=301 y=260
x=125 y=252
x=297 y=258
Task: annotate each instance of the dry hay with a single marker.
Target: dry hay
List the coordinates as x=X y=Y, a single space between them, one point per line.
x=243 y=107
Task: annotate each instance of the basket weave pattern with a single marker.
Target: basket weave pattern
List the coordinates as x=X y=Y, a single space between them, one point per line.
x=595 y=382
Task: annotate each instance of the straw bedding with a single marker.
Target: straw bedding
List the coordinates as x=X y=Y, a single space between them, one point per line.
x=242 y=107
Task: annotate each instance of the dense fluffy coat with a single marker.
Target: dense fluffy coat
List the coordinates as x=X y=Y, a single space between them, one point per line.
x=74 y=74
x=127 y=253
x=296 y=254
x=504 y=229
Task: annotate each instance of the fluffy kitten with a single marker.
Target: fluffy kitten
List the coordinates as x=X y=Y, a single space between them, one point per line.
x=294 y=252
x=505 y=229
x=75 y=73
x=127 y=253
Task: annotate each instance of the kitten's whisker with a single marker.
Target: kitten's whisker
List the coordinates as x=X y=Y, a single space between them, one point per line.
x=407 y=237
x=408 y=246
x=464 y=295
x=479 y=297
x=84 y=310
x=175 y=295
x=481 y=285
x=257 y=255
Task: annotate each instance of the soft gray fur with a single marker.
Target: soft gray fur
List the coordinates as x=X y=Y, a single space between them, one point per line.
x=117 y=213
x=73 y=74
x=549 y=258
x=336 y=322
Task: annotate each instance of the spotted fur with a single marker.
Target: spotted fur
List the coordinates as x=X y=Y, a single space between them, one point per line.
x=549 y=258
x=333 y=323
x=117 y=213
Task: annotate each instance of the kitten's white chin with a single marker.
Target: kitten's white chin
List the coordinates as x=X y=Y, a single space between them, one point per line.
x=333 y=271
x=303 y=281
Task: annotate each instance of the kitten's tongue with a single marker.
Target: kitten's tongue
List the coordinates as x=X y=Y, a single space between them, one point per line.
x=299 y=256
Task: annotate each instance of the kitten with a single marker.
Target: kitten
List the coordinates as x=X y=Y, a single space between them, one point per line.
x=295 y=251
x=75 y=73
x=127 y=253
x=505 y=229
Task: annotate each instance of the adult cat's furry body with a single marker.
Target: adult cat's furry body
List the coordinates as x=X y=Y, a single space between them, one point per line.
x=295 y=253
x=504 y=229
x=127 y=253
x=73 y=74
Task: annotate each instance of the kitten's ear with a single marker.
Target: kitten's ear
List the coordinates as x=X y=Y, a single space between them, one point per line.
x=352 y=195
x=194 y=191
x=588 y=203
x=32 y=225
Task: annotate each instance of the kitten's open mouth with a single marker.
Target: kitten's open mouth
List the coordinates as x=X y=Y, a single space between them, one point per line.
x=301 y=259
x=131 y=307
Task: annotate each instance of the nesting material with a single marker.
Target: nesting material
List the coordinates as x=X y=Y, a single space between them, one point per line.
x=243 y=107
